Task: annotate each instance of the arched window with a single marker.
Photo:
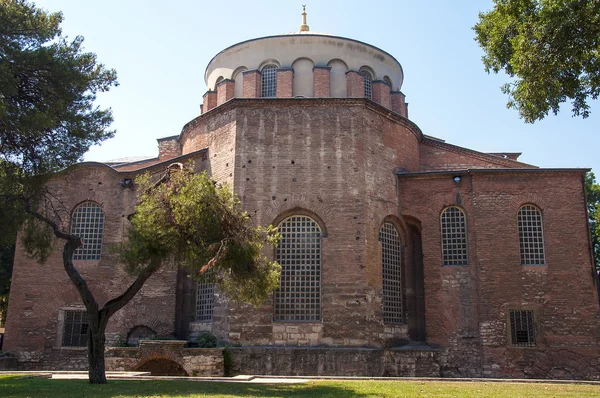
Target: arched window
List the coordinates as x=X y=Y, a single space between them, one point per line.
x=368 y=86
x=269 y=81
x=87 y=222
x=205 y=302
x=391 y=264
x=299 y=253
x=140 y=332
x=531 y=235
x=454 y=237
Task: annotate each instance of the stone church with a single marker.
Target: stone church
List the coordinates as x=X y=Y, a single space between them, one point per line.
x=401 y=254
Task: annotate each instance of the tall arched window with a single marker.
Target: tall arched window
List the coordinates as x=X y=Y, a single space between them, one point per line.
x=531 y=235
x=299 y=253
x=269 y=81
x=205 y=302
x=87 y=222
x=368 y=83
x=391 y=264
x=454 y=237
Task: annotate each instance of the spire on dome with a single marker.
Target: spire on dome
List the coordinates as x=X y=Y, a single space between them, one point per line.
x=304 y=27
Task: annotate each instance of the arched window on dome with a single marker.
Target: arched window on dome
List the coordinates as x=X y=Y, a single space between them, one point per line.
x=87 y=222
x=391 y=266
x=368 y=82
x=299 y=254
x=269 y=81
x=531 y=235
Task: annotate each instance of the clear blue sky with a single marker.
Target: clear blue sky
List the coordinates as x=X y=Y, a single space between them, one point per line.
x=160 y=50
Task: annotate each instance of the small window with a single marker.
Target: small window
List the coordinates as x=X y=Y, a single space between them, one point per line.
x=87 y=222
x=454 y=237
x=522 y=328
x=269 y=81
x=391 y=264
x=299 y=254
x=75 y=329
x=368 y=83
x=205 y=303
x=531 y=235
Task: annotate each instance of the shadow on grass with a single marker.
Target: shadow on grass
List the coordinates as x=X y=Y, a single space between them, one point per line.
x=36 y=387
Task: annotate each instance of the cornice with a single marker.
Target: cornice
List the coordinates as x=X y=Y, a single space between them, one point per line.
x=307 y=102
x=476 y=154
x=464 y=172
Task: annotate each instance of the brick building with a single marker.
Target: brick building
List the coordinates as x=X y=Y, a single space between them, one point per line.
x=402 y=254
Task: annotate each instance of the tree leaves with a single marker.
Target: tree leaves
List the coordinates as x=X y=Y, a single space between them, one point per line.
x=549 y=48
x=200 y=225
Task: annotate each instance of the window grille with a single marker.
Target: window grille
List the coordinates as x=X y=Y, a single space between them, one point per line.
x=531 y=236
x=391 y=263
x=368 y=86
x=522 y=328
x=269 y=81
x=299 y=254
x=205 y=302
x=454 y=237
x=75 y=329
x=87 y=222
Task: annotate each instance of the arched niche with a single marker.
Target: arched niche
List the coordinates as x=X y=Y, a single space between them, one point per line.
x=337 y=78
x=303 y=85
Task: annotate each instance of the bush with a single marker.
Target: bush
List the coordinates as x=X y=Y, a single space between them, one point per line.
x=206 y=340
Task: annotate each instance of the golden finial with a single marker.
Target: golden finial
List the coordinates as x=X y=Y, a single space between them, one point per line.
x=304 y=27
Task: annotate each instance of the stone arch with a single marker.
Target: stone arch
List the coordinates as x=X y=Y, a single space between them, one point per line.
x=303 y=83
x=337 y=78
x=267 y=62
x=238 y=77
x=161 y=366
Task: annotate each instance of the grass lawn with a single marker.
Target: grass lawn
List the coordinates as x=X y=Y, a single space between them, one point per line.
x=17 y=386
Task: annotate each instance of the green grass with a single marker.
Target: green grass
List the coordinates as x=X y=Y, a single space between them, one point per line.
x=18 y=386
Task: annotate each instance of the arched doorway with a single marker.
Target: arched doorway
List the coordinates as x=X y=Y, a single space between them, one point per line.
x=162 y=367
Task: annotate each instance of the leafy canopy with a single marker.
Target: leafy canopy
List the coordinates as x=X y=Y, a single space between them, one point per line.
x=202 y=226
x=48 y=85
x=592 y=190
x=550 y=49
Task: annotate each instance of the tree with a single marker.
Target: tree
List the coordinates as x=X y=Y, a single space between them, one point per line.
x=592 y=191
x=183 y=218
x=549 y=48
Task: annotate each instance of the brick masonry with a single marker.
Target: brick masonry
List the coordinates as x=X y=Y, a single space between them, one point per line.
x=335 y=160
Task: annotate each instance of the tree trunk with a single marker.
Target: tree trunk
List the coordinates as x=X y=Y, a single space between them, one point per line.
x=96 y=340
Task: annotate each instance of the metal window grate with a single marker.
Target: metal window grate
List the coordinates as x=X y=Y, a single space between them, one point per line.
x=75 y=329
x=368 y=86
x=531 y=236
x=299 y=254
x=391 y=263
x=454 y=237
x=522 y=328
x=205 y=302
x=87 y=222
x=269 y=81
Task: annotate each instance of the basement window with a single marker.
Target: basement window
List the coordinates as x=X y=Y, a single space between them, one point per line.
x=522 y=328
x=75 y=329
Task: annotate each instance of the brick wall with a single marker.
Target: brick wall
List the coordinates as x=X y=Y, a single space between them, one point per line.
x=168 y=148
x=381 y=93
x=225 y=91
x=209 y=100
x=285 y=78
x=355 y=83
x=398 y=103
x=251 y=82
x=321 y=81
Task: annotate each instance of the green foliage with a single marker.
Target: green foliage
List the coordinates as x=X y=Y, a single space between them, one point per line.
x=549 y=48
x=47 y=89
x=593 y=202
x=206 y=340
x=227 y=362
x=201 y=225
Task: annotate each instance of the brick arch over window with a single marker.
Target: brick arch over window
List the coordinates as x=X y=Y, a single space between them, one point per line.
x=299 y=254
x=391 y=266
x=87 y=222
x=454 y=236
x=531 y=235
